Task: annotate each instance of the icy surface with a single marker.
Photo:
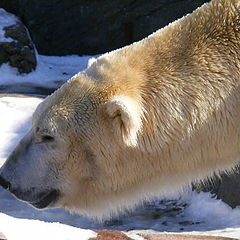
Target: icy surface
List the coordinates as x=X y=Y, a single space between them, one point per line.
x=6 y=19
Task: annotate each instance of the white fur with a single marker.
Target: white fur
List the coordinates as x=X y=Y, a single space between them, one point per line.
x=126 y=114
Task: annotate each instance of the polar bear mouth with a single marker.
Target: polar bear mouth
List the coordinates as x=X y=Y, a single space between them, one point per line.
x=48 y=199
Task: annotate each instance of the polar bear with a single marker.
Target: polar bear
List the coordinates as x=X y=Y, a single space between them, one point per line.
x=141 y=121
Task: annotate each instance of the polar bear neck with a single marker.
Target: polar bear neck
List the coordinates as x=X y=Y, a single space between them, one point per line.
x=175 y=65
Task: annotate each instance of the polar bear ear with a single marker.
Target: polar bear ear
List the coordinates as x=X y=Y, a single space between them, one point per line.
x=125 y=114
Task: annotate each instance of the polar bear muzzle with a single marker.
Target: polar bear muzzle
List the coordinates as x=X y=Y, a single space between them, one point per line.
x=40 y=200
x=26 y=176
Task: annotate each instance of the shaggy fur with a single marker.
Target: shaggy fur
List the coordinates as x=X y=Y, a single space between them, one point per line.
x=140 y=121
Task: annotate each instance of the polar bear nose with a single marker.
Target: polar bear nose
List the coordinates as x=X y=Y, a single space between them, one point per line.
x=5 y=184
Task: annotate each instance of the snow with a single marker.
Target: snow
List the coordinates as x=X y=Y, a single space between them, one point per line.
x=51 y=71
x=13 y=110
x=6 y=19
x=191 y=213
x=41 y=230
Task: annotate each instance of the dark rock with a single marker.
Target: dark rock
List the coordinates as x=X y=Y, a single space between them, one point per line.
x=18 y=49
x=225 y=187
x=11 y=6
x=93 y=27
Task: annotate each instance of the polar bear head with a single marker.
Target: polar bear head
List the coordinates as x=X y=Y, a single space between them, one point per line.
x=73 y=155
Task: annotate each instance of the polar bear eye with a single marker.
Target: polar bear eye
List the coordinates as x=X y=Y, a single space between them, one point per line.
x=47 y=138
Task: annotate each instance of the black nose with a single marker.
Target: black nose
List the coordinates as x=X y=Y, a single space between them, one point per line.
x=5 y=184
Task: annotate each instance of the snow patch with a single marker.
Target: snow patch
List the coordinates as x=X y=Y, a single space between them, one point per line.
x=6 y=19
x=51 y=71
x=14 y=122
x=213 y=212
x=24 y=229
